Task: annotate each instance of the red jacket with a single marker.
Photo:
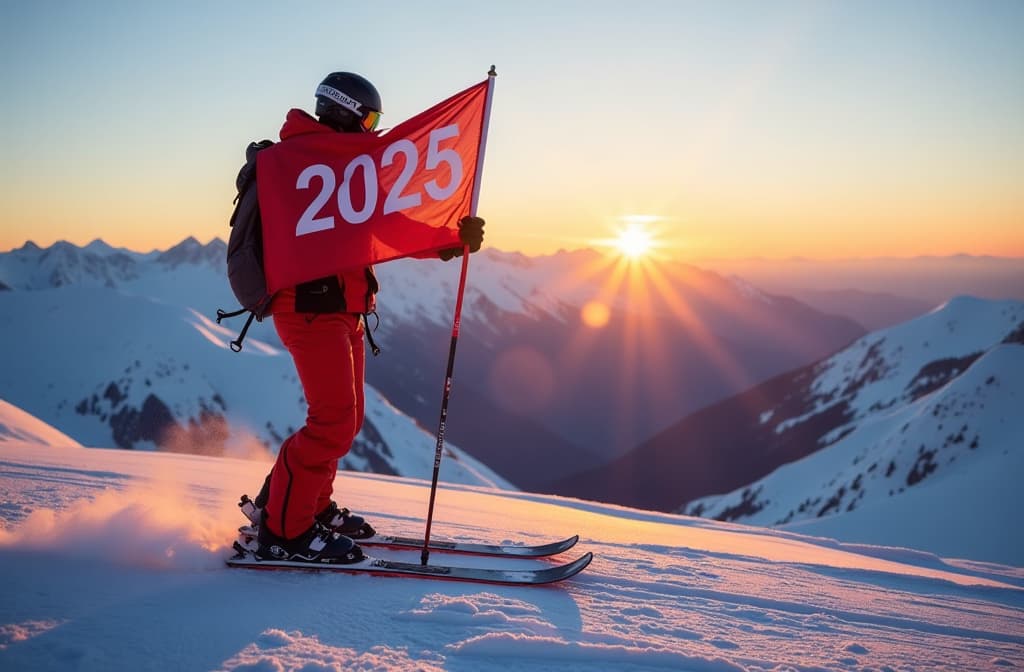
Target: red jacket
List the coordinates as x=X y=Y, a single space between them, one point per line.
x=358 y=287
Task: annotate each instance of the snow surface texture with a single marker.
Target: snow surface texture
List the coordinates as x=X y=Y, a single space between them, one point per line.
x=113 y=560
x=935 y=424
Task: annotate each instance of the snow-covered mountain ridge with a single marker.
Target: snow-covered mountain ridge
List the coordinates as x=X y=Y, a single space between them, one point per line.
x=110 y=368
x=904 y=363
x=921 y=408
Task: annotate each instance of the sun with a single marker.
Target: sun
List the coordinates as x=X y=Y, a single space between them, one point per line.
x=634 y=238
x=634 y=241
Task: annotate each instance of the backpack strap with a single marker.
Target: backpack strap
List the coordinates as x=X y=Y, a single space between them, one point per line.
x=236 y=345
x=222 y=315
x=369 y=335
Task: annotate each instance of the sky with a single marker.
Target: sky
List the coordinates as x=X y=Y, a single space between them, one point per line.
x=796 y=128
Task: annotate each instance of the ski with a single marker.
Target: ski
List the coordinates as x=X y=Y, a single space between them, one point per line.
x=248 y=535
x=380 y=567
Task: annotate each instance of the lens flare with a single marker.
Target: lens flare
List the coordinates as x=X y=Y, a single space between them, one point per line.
x=595 y=314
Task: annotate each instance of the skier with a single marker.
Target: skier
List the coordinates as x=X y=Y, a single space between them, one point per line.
x=322 y=323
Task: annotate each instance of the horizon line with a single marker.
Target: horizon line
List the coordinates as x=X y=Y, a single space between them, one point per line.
x=692 y=260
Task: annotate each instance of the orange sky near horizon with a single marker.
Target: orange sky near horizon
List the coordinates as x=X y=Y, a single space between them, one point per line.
x=802 y=129
x=942 y=234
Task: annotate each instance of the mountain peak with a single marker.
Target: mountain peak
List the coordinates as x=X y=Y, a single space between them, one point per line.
x=189 y=243
x=216 y=245
x=99 y=246
x=191 y=251
x=63 y=246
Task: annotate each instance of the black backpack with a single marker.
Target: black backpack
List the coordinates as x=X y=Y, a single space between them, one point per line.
x=245 y=248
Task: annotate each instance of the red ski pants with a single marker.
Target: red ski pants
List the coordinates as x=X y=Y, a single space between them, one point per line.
x=329 y=356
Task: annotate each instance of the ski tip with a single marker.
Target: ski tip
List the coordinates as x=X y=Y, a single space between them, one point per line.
x=566 y=571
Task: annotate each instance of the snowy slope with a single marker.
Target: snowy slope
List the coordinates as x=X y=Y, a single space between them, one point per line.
x=110 y=368
x=113 y=560
x=930 y=428
x=17 y=426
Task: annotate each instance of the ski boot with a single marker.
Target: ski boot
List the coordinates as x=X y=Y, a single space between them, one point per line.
x=318 y=545
x=339 y=520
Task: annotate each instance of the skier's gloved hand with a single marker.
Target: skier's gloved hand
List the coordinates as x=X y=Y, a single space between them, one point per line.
x=471 y=232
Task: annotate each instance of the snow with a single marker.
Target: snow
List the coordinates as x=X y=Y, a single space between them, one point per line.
x=977 y=500
x=960 y=327
x=949 y=448
x=179 y=355
x=983 y=524
x=113 y=559
x=415 y=288
x=16 y=426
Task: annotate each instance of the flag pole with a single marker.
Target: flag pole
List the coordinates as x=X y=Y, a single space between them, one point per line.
x=446 y=394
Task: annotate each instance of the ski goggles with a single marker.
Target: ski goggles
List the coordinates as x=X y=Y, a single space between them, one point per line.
x=369 y=120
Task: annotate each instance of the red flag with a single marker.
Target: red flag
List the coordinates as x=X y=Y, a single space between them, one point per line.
x=337 y=201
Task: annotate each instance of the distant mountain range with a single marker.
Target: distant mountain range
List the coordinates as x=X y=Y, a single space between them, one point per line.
x=538 y=392
x=111 y=356
x=936 y=399
x=930 y=279
x=872 y=310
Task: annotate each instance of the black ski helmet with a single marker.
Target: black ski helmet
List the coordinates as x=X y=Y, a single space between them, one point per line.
x=348 y=102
